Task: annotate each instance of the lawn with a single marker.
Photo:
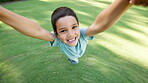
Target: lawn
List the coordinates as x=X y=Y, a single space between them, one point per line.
x=118 y=55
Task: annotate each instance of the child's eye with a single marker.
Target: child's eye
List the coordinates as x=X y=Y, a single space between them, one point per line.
x=63 y=31
x=74 y=27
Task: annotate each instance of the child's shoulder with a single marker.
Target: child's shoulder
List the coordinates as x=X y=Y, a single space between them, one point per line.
x=83 y=35
x=83 y=30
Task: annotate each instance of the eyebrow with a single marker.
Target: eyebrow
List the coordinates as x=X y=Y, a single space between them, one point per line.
x=62 y=28
x=74 y=24
x=65 y=27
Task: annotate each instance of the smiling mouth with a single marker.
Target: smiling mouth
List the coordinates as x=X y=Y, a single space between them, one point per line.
x=71 y=40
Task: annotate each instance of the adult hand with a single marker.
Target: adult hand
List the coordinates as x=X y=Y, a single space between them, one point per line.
x=139 y=2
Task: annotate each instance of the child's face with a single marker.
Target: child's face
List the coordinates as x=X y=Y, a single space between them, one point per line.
x=68 y=30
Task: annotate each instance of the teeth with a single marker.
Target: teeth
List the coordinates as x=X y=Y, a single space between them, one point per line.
x=72 y=40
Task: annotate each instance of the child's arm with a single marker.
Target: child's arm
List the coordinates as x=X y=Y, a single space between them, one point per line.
x=24 y=25
x=108 y=17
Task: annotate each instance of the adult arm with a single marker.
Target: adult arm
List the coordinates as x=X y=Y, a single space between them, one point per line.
x=139 y=2
x=24 y=25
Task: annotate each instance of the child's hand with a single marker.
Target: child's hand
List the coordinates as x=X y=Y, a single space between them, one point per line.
x=139 y=2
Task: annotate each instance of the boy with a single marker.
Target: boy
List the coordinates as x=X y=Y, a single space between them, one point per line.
x=67 y=35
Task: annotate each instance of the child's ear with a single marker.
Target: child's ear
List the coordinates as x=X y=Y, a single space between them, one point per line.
x=56 y=34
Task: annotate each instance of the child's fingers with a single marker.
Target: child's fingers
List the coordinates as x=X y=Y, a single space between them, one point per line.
x=139 y=2
x=136 y=2
x=132 y=1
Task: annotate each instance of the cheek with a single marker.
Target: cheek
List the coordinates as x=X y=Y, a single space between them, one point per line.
x=78 y=32
x=61 y=36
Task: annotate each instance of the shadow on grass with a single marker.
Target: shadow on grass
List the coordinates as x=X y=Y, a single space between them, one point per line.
x=95 y=66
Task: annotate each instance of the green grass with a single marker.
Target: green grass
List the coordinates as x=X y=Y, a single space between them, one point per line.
x=119 y=55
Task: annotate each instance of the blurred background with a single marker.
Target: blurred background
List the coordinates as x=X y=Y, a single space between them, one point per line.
x=118 y=55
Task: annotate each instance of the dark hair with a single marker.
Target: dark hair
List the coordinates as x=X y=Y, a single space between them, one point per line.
x=61 y=12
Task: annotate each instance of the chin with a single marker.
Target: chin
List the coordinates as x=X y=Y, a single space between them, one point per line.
x=73 y=44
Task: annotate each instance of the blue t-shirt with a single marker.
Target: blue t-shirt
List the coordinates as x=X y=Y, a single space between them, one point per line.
x=73 y=52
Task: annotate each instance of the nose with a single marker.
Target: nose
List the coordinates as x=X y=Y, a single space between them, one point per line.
x=70 y=34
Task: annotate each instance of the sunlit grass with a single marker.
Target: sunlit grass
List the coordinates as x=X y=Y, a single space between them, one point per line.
x=9 y=71
x=96 y=3
x=123 y=47
x=133 y=46
x=4 y=27
x=136 y=35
